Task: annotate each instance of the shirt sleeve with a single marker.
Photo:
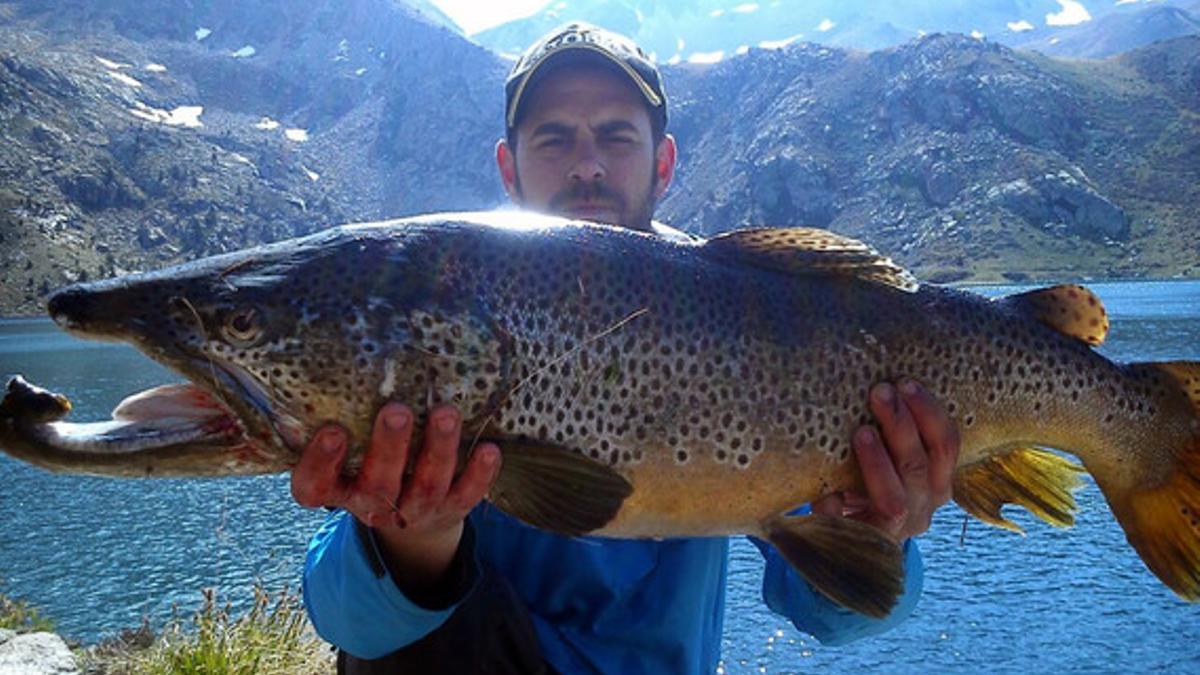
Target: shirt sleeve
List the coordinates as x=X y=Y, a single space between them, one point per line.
x=790 y=596
x=355 y=604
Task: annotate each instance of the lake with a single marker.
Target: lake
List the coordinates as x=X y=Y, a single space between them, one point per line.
x=97 y=555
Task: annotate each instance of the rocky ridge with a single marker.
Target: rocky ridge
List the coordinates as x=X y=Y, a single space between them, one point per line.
x=964 y=159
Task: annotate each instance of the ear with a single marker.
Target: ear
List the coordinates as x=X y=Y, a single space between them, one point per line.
x=506 y=163
x=664 y=165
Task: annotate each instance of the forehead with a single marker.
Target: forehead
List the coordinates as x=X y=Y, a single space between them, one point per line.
x=588 y=90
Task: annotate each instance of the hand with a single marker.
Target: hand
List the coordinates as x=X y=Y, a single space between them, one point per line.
x=907 y=470
x=418 y=519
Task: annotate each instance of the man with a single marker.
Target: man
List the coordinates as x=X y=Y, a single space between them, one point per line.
x=416 y=570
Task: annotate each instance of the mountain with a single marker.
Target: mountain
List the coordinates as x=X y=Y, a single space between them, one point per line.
x=679 y=30
x=308 y=116
x=134 y=134
x=952 y=154
x=1117 y=33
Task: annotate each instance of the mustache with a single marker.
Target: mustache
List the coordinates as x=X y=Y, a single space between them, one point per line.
x=587 y=192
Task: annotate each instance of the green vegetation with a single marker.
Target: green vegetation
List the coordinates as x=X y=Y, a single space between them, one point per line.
x=19 y=616
x=272 y=637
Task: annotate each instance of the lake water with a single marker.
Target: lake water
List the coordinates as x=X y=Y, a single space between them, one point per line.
x=98 y=554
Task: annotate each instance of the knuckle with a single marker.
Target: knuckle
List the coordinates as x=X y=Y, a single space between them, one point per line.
x=914 y=466
x=306 y=495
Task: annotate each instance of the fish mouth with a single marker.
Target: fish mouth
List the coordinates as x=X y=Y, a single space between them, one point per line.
x=171 y=430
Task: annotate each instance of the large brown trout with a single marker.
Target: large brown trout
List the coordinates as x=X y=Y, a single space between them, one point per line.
x=637 y=387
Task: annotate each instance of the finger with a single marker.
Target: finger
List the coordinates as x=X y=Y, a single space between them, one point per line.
x=889 y=499
x=435 y=465
x=831 y=504
x=316 y=478
x=855 y=503
x=476 y=479
x=900 y=435
x=939 y=434
x=382 y=473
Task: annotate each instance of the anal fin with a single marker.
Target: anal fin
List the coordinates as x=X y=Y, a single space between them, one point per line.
x=1038 y=480
x=851 y=563
x=556 y=489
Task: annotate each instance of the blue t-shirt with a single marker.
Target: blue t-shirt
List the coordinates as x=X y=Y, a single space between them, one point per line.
x=605 y=605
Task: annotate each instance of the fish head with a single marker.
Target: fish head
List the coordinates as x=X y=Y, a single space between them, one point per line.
x=262 y=332
x=275 y=342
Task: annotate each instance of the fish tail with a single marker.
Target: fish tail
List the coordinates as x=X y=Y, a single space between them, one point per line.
x=1155 y=495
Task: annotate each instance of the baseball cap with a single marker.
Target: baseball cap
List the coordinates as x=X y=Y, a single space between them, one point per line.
x=580 y=38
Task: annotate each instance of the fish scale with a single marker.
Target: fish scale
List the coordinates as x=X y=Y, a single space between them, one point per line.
x=638 y=387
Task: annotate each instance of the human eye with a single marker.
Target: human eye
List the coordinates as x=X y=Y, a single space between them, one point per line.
x=550 y=142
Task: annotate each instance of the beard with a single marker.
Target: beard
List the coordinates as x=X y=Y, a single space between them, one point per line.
x=635 y=215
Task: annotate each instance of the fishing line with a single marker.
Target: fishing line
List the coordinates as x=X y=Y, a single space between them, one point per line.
x=555 y=361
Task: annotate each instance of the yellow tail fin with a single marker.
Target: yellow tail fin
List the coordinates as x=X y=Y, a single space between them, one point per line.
x=1161 y=518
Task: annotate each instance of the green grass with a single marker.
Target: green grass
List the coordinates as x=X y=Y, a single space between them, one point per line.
x=19 y=616
x=272 y=637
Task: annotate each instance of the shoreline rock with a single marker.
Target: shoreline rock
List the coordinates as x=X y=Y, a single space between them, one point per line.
x=39 y=653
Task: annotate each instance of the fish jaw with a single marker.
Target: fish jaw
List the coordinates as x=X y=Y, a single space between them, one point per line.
x=187 y=318
x=177 y=430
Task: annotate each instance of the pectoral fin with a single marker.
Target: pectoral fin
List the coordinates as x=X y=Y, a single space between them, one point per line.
x=556 y=489
x=851 y=563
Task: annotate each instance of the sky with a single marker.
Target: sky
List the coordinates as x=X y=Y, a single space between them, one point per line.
x=473 y=16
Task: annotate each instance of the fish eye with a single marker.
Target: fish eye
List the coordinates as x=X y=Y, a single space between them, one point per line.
x=243 y=326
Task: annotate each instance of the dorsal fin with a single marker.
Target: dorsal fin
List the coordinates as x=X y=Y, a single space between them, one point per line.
x=1069 y=309
x=808 y=250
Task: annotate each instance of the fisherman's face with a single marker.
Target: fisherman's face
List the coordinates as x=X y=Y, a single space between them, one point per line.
x=584 y=150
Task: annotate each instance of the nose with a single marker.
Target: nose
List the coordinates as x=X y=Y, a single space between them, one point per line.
x=69 y=307
x=588 y=165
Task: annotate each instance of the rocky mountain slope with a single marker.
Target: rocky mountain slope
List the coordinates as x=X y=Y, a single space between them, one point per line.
x=964 y=158
x=136 y=134
x=1117 y=33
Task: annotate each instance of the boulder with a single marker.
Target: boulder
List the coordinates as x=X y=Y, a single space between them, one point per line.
x=1062 y=198
x=791 y=189
x=35 y=654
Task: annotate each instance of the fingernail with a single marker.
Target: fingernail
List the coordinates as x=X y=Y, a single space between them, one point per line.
x=909 y=387
x=331 y=442
x=490 y=459
x=445 y=422
x=884 y=393
x=866 y=436
x=395 y=419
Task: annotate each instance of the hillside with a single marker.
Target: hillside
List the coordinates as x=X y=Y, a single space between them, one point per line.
x=137 y=134
x=963 y=158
